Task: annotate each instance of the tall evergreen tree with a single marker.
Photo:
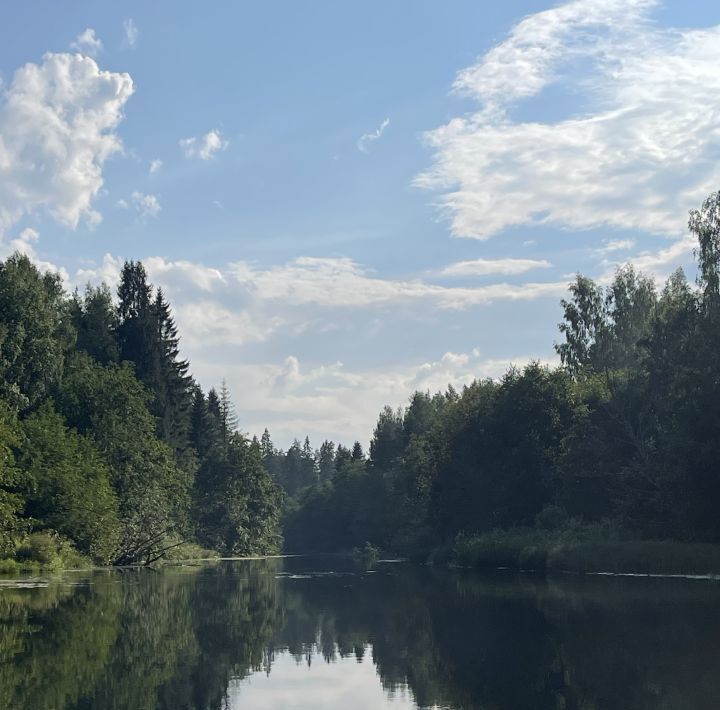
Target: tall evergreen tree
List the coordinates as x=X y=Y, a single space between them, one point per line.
x=173 y=384
x=228 y=416
x=96 y=322
x=326 y=461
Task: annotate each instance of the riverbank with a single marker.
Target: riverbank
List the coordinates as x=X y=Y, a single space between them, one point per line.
x=581 y=552
x=49 y=552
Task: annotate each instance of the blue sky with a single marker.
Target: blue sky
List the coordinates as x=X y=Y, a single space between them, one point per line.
x=349 y=202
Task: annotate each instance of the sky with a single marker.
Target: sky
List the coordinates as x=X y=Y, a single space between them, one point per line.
x=346 y=203
x=294 y=684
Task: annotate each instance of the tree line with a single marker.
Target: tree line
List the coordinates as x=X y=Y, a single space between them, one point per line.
x=624 y=435
x=108 y=447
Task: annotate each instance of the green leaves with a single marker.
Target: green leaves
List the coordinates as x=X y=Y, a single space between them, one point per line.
x=67 y=485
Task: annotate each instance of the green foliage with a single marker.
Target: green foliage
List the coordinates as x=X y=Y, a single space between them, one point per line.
x=67 y=485
x=96 y=323
x=12 y=524
x=34 y=332
x=236 y=503
x=48 y=550
x=102 y=430
x=110 y=405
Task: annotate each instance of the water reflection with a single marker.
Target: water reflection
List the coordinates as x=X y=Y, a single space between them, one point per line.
x=303 y=633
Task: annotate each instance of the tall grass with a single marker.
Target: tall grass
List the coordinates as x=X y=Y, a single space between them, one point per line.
x=582 y=550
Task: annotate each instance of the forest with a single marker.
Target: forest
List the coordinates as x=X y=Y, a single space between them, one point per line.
x=111 y=452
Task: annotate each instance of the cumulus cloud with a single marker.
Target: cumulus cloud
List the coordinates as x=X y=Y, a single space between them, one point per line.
x=367 y=139
x=643 y=149
x=155 y=166
x=87 y=43
x=332 y=400
x=57 y=128
x=107 y=272
x=131 y=33
x=204 y=147
x=146 y=205
x=486 y=267
x=26 y=243
x=180 y=273
x=207 y=322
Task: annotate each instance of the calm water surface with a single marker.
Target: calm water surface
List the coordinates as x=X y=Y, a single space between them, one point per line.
x=321 y=633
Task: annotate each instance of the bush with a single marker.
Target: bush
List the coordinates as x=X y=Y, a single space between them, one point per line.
x=189 y=551
x=49 y=550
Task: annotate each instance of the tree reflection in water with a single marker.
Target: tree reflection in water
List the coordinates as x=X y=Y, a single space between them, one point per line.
x=185 y=637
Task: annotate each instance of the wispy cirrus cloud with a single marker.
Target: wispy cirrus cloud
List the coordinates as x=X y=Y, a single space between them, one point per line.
x=641 y=150
x=131 y=33
x=367 y=139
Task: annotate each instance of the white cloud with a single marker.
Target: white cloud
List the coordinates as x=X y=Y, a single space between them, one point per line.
x=107 y=272
x=26 y=243
x=658 y=264
x=367 y=139
x=146 y=205
x=644 y=149
x=330 y=400
x=486 y=267
x=180 y=273
x=131 y=33
x=616 y=245
x=207 y=322
x=262 y=310
x=57 y=129
x=87 y=43
x=155 y=165
x=342 y=283
x=205 y=147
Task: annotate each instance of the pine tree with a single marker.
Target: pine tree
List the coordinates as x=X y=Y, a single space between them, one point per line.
x=266 y=446
x=357 y=452
x=228 y=417
x=173 y=384
x=326 y=460
x=96 y=321
x=148 y=337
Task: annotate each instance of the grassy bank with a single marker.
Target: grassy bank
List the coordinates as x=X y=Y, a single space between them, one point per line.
x=50 y=552
x=579 y=551
x=44 y=551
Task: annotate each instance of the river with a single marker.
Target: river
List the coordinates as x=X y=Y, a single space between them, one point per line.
x=323 y=633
